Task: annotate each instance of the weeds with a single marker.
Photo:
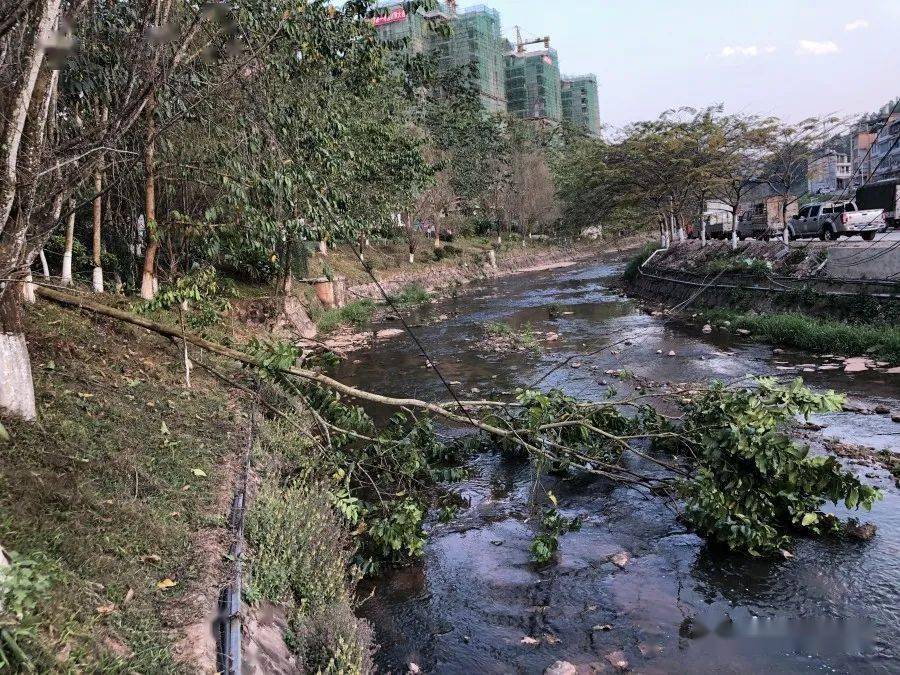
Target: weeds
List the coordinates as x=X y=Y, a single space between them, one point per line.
x=634 y=265
x=507 y=338
x=817 y=335
x=357 y=314
x=411 y=295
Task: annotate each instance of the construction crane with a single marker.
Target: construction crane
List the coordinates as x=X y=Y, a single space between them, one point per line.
x=521 y=44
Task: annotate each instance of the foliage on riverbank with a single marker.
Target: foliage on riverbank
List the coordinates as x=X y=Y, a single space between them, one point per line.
x=355 y=314
x=114 y=492
x=300 y=558
x=816 y=335
x=634 y=263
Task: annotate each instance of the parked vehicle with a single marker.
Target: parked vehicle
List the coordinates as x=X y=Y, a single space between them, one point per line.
x=718 y=218
x=882 y=195
x=764 y=219
x=831 y=220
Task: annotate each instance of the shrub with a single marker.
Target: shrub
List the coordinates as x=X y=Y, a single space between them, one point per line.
x=301 y=560
x=410 y=295
x=357 y=314
x=634 y=265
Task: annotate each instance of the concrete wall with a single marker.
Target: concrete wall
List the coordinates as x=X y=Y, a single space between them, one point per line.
x=864 y=262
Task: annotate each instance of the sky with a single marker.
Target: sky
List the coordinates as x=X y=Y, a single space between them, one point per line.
x=790 y=58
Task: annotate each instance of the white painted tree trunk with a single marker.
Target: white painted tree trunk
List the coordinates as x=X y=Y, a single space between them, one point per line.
x=16 y=385
x=45 y=268
x=786 y=235
x=148 y=282
x=412 y=258
x=97 y=281
x=703 y=234
x=67 y=252
x=734 y=238
x=323 y=247
x=492 y=258
x=28 y=290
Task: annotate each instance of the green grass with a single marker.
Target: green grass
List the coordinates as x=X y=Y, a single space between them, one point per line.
x=525 y=337
x=111 y=491
x=300 y=556
x=357 y=314
x=634 y=265
x=411 y=295
x=818 y=335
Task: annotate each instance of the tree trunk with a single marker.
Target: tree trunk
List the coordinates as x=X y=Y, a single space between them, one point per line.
x=19 y=102
x=323 y=247
x=148 y=279
x=16 y=385
x=734 y=230
x=437 y=235
x=45 y=268
x=98 y=224
x=703 y=232
x=70 y=242
x=785 y=233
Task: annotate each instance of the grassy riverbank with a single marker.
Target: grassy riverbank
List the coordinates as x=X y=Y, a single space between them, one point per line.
x=113 y=507
x=114 y=501
x=816 y=335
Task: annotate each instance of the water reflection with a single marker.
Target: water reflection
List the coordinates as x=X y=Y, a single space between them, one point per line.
x=677 y=605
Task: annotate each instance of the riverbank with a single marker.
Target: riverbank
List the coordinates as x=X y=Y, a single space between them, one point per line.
x=777 y=294
x=440 y=277
x=116 y=510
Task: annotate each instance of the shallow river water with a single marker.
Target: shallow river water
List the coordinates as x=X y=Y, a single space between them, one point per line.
x=675 y=607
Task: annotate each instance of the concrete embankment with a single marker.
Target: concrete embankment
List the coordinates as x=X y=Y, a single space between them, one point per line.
x=764 y=276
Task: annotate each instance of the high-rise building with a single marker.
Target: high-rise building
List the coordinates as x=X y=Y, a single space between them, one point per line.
x=581 y=103
x=533 y=85
x=475 y=39
x=509 y=77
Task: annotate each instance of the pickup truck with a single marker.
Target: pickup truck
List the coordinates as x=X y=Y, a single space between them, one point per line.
x=882 y=195
x=831 y=220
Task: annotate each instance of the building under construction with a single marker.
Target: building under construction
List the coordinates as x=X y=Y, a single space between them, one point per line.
x=475 y=39
x=581 y=103
x=533 y=84
x=510 y=77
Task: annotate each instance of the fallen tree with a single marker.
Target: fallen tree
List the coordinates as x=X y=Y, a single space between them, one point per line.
x=726 y=457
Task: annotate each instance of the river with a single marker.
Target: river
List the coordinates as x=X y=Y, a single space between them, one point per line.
x=675 y=606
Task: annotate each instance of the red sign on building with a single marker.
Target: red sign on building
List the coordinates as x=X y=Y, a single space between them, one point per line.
x=397 y=14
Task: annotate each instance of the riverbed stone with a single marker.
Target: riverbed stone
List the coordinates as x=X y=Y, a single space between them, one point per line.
x=621 y=560
x=857 y=364
x=561 y=668
x=861 y=531
x=618 y=660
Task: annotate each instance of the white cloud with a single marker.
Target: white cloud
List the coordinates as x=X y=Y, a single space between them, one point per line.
x=748 y=51
x=859 y=24
x=813 y=48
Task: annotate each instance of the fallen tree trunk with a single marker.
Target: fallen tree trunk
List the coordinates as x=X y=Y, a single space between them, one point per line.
x=71 y=300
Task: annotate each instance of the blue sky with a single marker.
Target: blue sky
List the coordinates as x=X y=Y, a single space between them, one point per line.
x=791 y=58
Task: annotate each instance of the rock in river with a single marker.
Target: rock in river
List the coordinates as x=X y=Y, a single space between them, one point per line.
x=561 y=668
